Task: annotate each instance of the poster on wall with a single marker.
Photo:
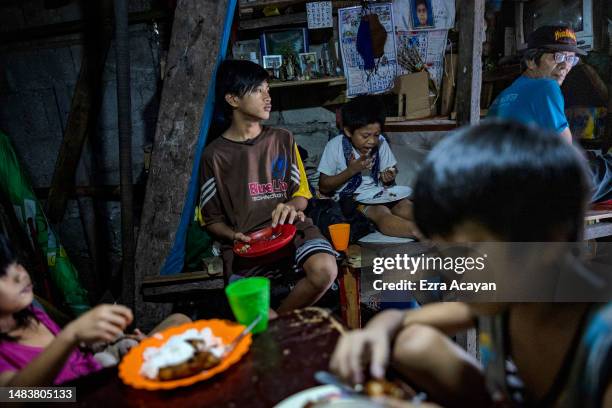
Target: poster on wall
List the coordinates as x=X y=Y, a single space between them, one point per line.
x=358 y=80
x=430 y=46
x=423 y=14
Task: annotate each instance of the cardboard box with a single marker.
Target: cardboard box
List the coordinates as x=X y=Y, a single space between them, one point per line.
x=413 y=96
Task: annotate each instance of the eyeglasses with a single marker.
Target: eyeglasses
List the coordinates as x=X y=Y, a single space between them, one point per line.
x=570 y=59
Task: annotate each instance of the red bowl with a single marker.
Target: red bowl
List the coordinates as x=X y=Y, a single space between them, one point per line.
x=265 y=241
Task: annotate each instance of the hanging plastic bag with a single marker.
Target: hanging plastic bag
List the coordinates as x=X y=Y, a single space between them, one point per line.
x=29 y=212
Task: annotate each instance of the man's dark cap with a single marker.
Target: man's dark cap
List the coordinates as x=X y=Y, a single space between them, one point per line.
x=554 y=38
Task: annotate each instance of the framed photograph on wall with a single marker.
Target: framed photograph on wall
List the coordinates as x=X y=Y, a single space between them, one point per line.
x=308 y=64
x=422 y=14
x=272 y=61
x=282 y=42
x=247 y=50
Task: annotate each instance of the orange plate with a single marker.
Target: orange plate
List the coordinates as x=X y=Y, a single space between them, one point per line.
x=129 y=369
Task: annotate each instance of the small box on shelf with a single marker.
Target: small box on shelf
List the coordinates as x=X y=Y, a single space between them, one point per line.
x=414 y=101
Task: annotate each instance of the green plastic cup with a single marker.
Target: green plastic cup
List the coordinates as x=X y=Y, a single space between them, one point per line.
x=249 y=298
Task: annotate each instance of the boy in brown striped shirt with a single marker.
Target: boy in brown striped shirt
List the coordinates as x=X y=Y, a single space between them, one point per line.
x=252 y=176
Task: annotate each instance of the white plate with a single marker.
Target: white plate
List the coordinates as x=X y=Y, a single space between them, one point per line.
x=389 y=195
x=311 y=394
x=300 y=399
x=380 y=238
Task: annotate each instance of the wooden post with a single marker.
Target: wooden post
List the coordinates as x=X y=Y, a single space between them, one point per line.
x=469 y=73
x=194 y=47
x=469 y=81
x=608 y=130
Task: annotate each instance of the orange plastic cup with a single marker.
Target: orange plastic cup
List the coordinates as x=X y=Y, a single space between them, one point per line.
x=340 y=235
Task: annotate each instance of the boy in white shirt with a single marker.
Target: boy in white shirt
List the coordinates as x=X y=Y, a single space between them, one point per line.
x=360 y=161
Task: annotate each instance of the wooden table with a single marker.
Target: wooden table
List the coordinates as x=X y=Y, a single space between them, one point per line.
x=281 y=362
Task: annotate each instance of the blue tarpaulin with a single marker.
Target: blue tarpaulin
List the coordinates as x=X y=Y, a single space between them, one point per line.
x=176 y=258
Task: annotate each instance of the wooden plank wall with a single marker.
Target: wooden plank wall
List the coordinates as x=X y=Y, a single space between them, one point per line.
x=194 y=45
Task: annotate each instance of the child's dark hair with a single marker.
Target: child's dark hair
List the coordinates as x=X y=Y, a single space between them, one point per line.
x=8 y=257
x=362 y=111
x=236 y=77
x=522 y=183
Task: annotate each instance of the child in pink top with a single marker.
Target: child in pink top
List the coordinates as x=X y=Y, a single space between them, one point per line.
x=15 y=356
x=33 y=349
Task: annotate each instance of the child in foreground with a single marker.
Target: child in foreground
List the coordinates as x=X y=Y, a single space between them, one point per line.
x=498 y=181
x=359 y=162
x=34 y=351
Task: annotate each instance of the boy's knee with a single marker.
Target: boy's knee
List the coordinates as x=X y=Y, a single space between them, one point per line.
x=403 y=208
x=321 y=270
x=414 y=342
x=385 y=227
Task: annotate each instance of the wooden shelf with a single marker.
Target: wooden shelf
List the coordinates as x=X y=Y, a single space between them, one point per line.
x=257 y=23
x=334 y=81
x=250 y=9
x=252 y=5
x=247 y=7
x=436 y=124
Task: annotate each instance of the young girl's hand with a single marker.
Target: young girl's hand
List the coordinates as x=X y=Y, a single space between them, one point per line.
x=102 y=323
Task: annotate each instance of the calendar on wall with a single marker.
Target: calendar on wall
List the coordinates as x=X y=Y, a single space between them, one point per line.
x=319 y=14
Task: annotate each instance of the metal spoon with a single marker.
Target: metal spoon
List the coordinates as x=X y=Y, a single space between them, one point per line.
x=230 y=347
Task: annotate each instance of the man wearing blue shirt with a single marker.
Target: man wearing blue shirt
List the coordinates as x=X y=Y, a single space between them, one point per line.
x=535 y=97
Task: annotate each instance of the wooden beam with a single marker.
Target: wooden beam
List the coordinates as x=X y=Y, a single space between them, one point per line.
x=469 y=73
x=251 y=6
x=169 y=288
x=85 y=100
x=74 y=138
x=194 y=46
x=69 y=27
x=257 y=23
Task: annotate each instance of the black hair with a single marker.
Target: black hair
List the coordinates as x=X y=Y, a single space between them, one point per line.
x=522 y=183
x=424 y=2
x=533 y=54
x=9 y=257
x=236 y=77
x=362 y=111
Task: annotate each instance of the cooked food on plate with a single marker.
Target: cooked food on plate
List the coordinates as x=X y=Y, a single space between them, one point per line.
x=183 y=355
